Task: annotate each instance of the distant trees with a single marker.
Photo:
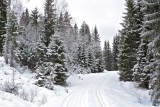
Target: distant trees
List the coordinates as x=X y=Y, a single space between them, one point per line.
x=107 y=56
x=115 y=52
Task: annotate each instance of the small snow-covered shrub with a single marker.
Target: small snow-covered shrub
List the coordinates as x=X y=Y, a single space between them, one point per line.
x=28 y=95
x=24 y=95
x=33 y=94
x=10 y=87
x=43 y=100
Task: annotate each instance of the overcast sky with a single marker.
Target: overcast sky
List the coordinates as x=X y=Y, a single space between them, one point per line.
x=105 y=14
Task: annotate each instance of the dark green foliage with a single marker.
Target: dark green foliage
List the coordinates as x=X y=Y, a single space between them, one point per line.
x=115 y=52
x=82 y=57
x=3 y=21
x=129 y=44
x=90 y=59
x=58 y=58
x=50 y=21
x=34 y=16
x=107 y=56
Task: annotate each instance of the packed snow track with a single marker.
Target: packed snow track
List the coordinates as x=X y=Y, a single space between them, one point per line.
x=98 y=90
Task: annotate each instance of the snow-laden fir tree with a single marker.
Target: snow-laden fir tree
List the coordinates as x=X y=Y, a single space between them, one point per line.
x=3 y=21
x=85 y=33
x=29 y=39
x=152 y=33
x=140 y=75
x=49 y=22
x=107 y=56
x=14 y=32
x=96 y=49
x=34 y=20
x=129 y=44
x=59 y=58
x=25 y=18
x=115 y=52
x=51 y=69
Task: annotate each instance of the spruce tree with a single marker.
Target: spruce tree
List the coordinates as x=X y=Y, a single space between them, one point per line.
x=140 y=75
x=115 y=52
x=98 y=61
x=58 y=57
x=50 y=21
x=152 y=33
x=13 y=41
x=107 y=56
x=85 y=33
x=3 y=21
x=129 y=44
x=35 y=17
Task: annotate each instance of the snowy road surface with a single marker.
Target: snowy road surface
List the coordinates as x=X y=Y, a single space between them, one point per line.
x=89 y=90
x=100 y=90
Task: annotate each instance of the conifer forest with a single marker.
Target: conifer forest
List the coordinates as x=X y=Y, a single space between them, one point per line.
x=51 y=51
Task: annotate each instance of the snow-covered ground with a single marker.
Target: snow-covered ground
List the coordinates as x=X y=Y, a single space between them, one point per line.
x=89 y=90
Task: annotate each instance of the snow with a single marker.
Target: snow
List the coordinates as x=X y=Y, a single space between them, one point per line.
x=89 y=90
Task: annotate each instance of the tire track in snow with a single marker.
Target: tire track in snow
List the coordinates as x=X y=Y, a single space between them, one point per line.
x=77 y=98
x=99 y=93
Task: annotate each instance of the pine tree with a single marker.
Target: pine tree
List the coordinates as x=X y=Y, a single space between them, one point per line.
x=3 y=21
x=96 y=48
x=85 y=33
x=67 y=19
x=90 y=59
x=127 y=57
x=140 y=75
x=34 y=17
x=50 y=21
x=152 y=33
x=82 y=57
x=75 y=30
x=14 y=33
x=115 y=52
x=58 y=57
x=25 y=18
x=107 y=56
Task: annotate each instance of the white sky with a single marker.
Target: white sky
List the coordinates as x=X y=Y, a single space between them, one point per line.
x=105 y=14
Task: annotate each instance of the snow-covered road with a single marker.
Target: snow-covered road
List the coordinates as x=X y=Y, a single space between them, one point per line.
x=99 y=90
x=89 y=90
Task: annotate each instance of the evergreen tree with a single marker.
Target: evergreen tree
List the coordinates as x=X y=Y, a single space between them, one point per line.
x=58 y=57
x=90 y=59
x=34 y=17
x=75 y=30
x=82 y=57
x=115 y=52
x=152 y=33
x=25 y=18
x=14 y=33
x=85 y=33
x=107 y=56
x=140 y=75
x=96 y=48
x=129 y=44
x=3 y=21
x=50 y=21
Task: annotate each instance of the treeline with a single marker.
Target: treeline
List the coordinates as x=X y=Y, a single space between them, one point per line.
x=48 y=44
x=139 y=49
x=110 y=55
